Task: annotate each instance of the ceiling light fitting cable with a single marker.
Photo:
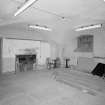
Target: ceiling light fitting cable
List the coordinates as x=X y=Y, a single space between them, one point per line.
x=52 y=13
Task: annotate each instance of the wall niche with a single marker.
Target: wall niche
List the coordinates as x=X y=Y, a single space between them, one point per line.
x=84 y=43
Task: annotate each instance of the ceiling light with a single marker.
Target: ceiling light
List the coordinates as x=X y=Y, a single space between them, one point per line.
x=25 y=6
x=40 y=27
x=88 y=27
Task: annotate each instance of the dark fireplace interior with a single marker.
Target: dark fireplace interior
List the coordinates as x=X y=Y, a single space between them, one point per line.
x=25 y=62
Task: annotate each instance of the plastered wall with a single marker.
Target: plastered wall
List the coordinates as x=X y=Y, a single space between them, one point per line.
x=70 y=44
x=11 y=47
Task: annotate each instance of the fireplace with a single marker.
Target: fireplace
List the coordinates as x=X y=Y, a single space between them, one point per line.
x=24 y=62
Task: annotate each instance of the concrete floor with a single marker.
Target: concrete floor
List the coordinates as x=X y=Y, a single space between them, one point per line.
x=40 y=88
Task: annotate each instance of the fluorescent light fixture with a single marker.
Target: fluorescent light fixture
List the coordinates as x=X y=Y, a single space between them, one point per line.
x=25 y=6
x=88 y=27
x=40 y=27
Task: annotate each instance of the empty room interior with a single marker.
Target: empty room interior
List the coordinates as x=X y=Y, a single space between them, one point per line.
x=52 y=52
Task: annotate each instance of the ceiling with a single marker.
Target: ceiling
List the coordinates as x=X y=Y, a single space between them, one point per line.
x=57 y=14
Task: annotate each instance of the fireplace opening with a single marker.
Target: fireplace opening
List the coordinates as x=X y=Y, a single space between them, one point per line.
x=24 y=62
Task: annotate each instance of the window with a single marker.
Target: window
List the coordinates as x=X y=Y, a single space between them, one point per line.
x=85 y=43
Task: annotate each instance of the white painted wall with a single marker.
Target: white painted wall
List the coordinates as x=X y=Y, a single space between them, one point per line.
x=45 y=51
x=11 y=47
x=13 y=32
x=70 y=43
x=19 y=32
x=66 y=40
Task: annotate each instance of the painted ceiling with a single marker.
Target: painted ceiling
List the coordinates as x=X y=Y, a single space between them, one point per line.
x=60 y=15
